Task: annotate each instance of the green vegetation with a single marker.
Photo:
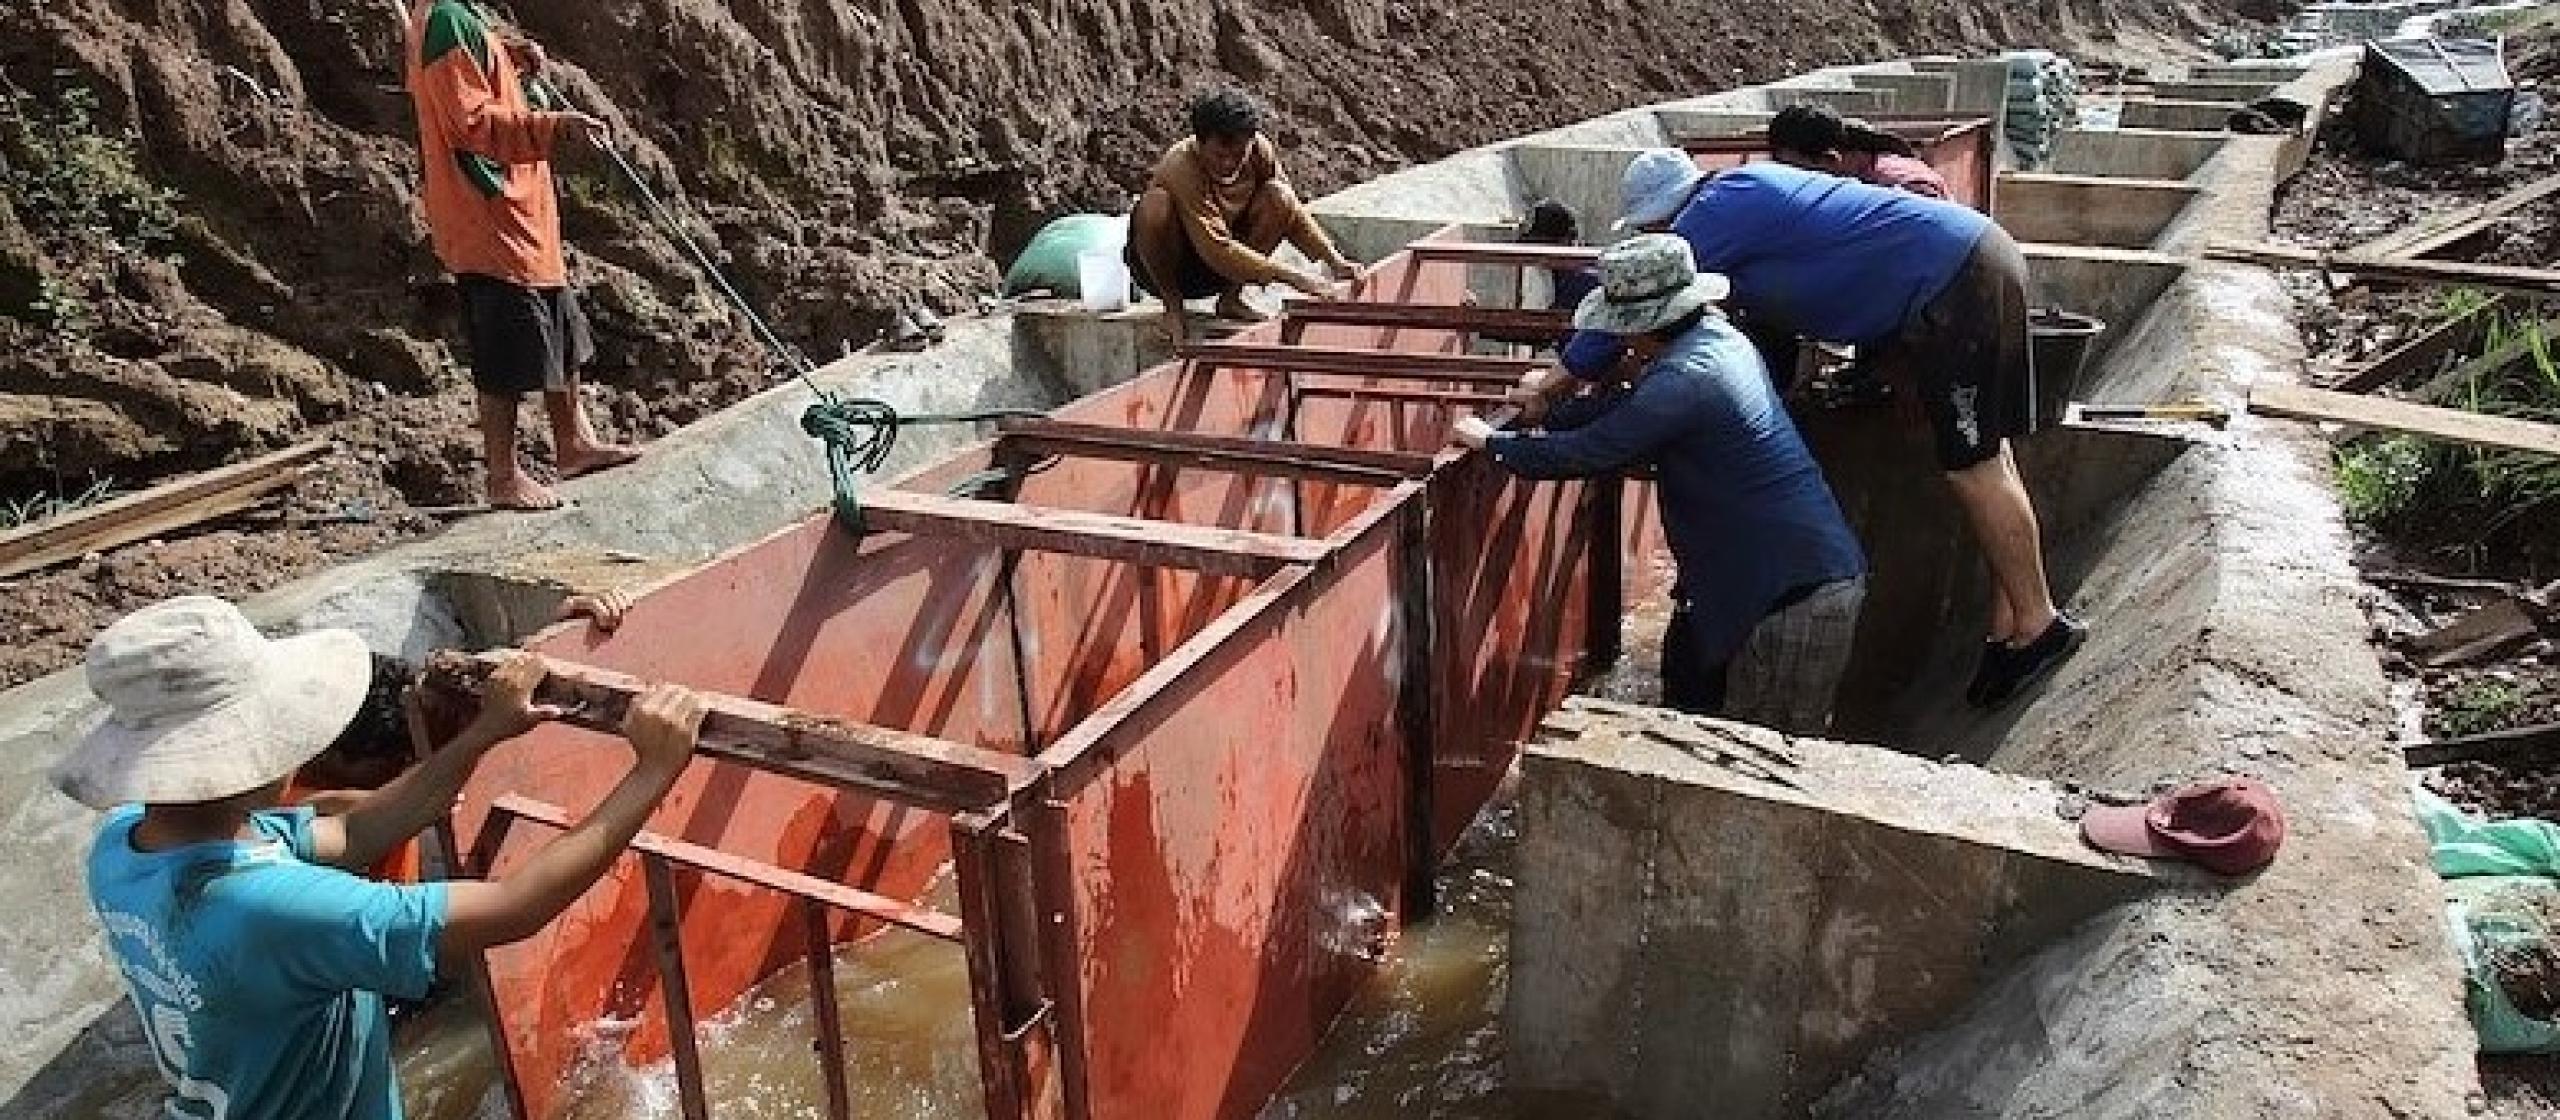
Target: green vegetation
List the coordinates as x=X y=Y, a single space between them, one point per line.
x=15 y=512
x=82 y=193
x=2407 y=487
x=2478 y=705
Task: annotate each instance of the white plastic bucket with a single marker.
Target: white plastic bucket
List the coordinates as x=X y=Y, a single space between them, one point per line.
x=1102 y=280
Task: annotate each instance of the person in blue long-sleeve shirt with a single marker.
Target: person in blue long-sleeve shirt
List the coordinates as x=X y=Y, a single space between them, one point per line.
x=1770 y=576
x=1936 y=290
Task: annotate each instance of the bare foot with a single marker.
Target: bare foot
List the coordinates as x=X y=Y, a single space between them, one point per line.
x=1234 y=309
x=521 y=492
x=595 y=457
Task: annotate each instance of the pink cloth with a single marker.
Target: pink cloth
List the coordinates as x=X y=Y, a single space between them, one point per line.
x=1906 y=173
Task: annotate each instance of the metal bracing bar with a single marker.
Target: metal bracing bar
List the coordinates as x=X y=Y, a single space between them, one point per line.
x=821 y=949
x=666 y=936
x=851 y=900
x=898 y=766
x=1606 y=511
x=1429 y=316
x=1130 y=540
x=1241 y=455
x=1402 y=396
x=1502 y=253
x=1417 y=712
x=1351 y=360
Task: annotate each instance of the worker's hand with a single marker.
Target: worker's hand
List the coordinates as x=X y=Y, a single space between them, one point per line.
x=1471 y=431
x=1317 y=286
x=1346 y=270
x=663 y=725
x=604 y=608
x=528 y=57
x=506 y=704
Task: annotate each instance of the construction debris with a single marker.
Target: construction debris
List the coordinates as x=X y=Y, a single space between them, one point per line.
x=162 y=509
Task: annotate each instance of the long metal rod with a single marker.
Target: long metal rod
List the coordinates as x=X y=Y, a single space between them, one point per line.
x=822 y=995
x=666 y=936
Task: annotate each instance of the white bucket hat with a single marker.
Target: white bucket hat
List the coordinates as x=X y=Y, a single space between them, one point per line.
x=1657 y=184
x=203 y=707
x=1647 y=281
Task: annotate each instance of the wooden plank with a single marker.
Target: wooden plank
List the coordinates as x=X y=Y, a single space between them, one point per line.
x=2506 y=278
x=2502 y=746
x=2298 y=403
x=1131 y=540
x=1240 y=454
x=1502 y=253
x=683 y=853
x=2484 y=633
x=161 y=509
x=897 y=765
x=1356 y=360
x=2432 y=237
x=2461 y=332
x=1432 y=316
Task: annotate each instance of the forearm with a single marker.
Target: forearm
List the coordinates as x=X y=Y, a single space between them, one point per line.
x=516 y=906
x=388 y=817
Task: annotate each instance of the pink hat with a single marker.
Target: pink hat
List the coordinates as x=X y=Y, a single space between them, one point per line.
x=2228 y=825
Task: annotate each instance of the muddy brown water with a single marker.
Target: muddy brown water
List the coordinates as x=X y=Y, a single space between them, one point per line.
x=1423 y=1039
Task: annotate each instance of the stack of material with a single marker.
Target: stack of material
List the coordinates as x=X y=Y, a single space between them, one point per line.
x=2044 y=98
x=2434 y=100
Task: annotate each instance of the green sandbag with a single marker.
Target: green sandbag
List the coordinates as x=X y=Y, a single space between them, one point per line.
x=1050 y=260
x=2501 y=926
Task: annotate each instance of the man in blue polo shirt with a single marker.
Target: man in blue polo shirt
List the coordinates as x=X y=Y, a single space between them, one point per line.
x=1770 y=578
x=1936 y=290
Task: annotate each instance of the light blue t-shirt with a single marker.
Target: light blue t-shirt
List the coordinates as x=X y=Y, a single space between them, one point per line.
x=260 y=976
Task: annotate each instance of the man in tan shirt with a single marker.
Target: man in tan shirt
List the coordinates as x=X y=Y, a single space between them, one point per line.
x=1217 y=206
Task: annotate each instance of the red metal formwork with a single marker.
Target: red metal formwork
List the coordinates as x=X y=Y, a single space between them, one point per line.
x=1960 y=150
x=1233 y=804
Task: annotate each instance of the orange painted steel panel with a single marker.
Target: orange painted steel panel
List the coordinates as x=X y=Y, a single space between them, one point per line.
x=1237 y=839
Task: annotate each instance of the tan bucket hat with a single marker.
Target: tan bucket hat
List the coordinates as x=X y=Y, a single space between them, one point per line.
x=203 y=707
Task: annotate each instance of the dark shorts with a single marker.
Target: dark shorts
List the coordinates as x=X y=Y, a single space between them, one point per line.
x=1191 y=271
x=1193 y=274
x=523 y=340
x=1968 y=350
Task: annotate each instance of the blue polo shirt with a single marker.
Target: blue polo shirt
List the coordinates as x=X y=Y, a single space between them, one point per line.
x=1746 y=509
x=1826 y=256
x=259 y=975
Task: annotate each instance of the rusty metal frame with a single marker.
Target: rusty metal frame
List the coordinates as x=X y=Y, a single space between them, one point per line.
x=1353 y=361
x=1424 y=316
x=1008 y=815
x=1132 y=540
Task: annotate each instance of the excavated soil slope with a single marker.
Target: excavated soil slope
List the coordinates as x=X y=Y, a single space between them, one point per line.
x=260 y=273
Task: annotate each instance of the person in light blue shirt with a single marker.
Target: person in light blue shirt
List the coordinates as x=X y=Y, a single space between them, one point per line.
x=1770 y=580
x=1936 y=291
x=257 y=960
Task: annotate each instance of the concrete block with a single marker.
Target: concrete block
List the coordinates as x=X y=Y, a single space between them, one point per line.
x=1913 y=93
x=2116 y=285
x=1583 y=177
x=2211 y=91
x=2181 y=116
x=1681 y=124
x=1715 y=920
x=2133 y=153
x=1982 y=86
x=1085 y=351
x=2089 y=209
x=1847 y=101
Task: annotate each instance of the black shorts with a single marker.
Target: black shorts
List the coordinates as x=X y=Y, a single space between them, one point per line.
x=1969 y=352
x=523 y=340
x=1193 y=274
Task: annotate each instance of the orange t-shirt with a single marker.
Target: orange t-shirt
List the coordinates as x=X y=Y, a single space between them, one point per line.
x=489 y=194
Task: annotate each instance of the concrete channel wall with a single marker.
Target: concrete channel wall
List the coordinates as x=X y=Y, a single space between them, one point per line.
x=2324 y=987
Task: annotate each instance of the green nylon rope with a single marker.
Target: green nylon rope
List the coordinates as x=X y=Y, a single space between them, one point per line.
x=859 y=432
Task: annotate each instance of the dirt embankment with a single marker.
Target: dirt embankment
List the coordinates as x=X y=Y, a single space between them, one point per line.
x=257 y=271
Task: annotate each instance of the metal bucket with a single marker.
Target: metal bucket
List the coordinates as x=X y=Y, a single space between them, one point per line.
x=2061 y=342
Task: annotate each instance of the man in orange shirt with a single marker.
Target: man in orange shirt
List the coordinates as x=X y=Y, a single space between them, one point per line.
x=1214 y=210
x=495 y=220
